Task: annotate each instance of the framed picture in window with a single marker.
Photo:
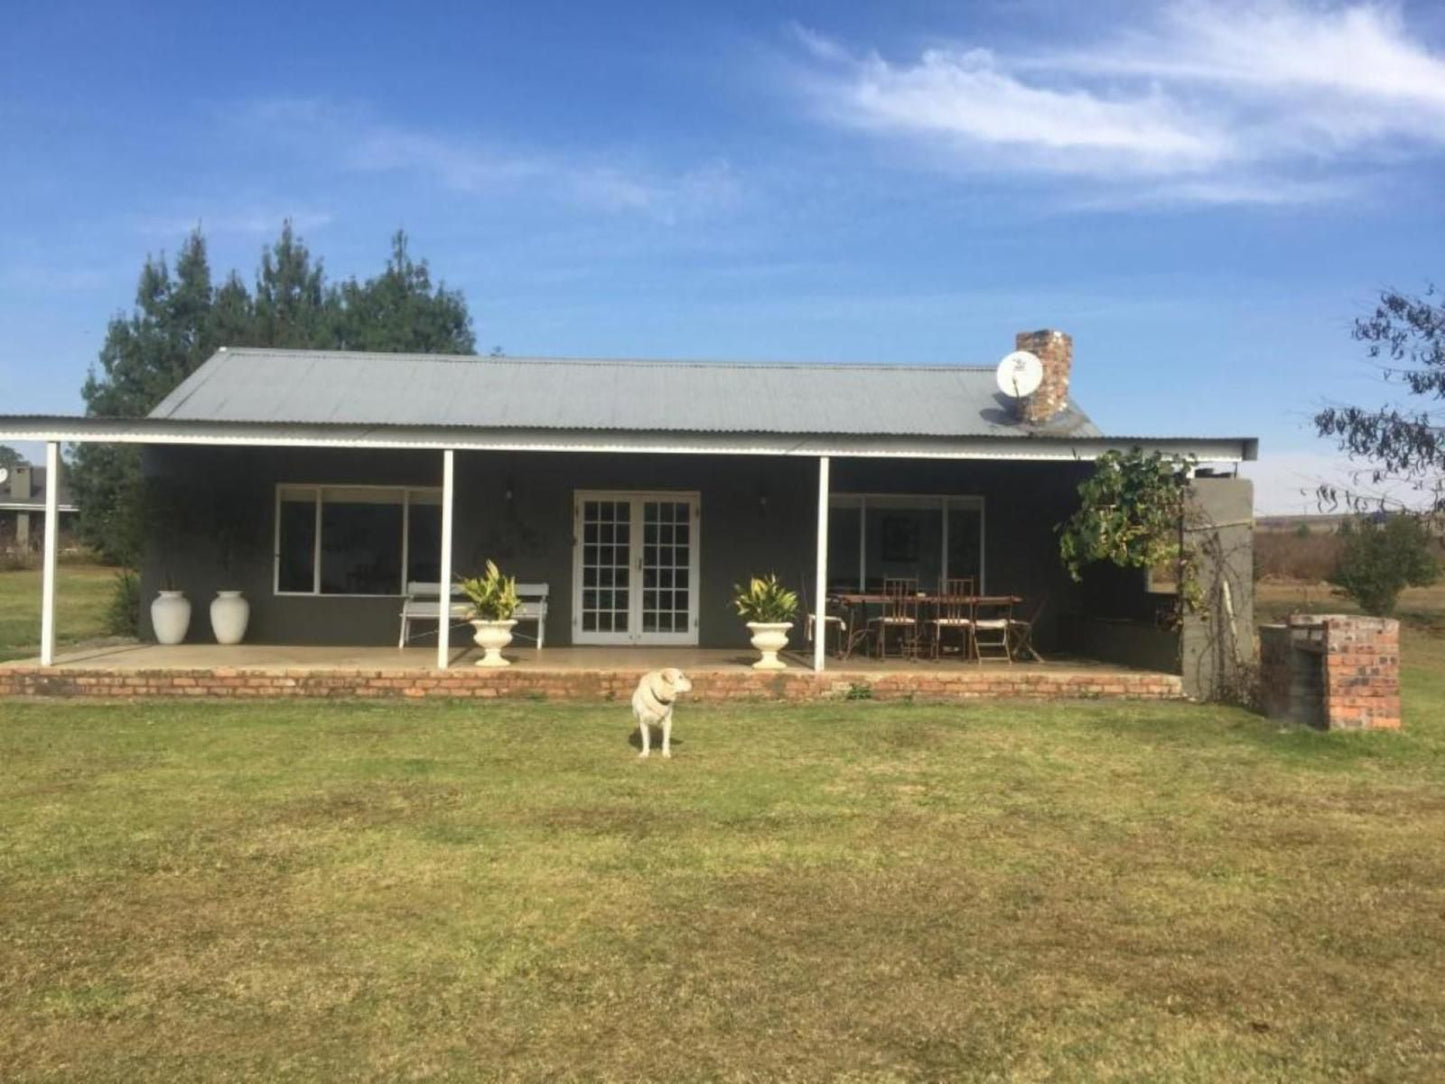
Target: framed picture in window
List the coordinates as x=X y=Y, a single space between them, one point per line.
x=901 y=535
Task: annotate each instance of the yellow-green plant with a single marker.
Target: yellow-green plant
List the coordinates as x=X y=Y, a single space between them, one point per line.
x=765 y=600
x=493 y=596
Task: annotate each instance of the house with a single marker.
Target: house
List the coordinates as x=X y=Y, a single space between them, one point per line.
x=642 y=491
x=22 y=506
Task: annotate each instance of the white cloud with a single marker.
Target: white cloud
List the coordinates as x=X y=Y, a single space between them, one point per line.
x=1287 y=483
x=247 y=221
x=466 y=164
x=1271 y=101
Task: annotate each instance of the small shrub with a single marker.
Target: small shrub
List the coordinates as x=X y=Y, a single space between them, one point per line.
x=859 y=690
x=493 y=596
x=765 y=600
x=1380 y=558
x=122 y=615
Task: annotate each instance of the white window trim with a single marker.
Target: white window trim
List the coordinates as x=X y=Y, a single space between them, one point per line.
x=318 y=488
x=844 y=499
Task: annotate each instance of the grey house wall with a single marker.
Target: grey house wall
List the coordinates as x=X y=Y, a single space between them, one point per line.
x=757 y=514
x=1218 y=644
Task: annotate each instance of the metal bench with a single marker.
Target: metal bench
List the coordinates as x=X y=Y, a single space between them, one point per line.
x=423 y=603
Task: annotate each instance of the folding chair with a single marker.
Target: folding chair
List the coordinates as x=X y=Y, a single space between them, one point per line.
x=1021 y=633
x=991 y=617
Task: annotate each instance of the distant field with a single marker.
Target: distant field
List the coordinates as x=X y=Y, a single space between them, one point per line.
x=1422 y=607
x=82 y=594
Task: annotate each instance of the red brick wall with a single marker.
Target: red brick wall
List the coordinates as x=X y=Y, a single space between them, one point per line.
x=519 y=683
x=1334 y=671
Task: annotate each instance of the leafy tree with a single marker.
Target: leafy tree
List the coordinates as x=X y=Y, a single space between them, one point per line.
x=1382 y=556
x=9 y=457
x=1407 y=447
x=180 y=319
x=1131 y=513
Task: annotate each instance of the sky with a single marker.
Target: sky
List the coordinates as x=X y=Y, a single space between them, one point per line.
x=1204 y=195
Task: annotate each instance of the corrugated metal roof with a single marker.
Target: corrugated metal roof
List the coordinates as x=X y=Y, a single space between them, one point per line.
x=322 y=386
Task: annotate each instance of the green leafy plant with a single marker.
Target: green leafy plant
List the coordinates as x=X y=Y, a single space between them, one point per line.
x=1131 y=513
x=492 y=595
x=122 y=613
x=1381 y=557
x=765 y=600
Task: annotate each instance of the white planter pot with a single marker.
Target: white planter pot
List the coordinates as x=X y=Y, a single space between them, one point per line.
x=491 y=637
x=171 y=616
x=770 y=638
x=229 y=615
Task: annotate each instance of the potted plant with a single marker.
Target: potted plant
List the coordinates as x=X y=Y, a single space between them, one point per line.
x=230 y=612
x=768 y=608
x=165 y=510
x=494 y=601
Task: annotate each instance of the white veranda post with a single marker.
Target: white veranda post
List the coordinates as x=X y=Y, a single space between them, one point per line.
x=820 y=579
x=52 y=539
x=444 y=618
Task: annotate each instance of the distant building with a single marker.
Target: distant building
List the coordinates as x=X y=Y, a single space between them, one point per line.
x=22 y=507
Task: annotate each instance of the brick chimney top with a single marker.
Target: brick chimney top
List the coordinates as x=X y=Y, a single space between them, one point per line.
x=1056 y=351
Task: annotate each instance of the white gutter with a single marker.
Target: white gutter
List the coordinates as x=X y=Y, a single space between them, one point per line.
x=440 y=438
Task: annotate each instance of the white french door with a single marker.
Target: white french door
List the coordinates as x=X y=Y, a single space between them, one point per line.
x=635 y=568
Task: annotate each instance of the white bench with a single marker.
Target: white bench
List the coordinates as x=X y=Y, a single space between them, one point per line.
x=423 y=603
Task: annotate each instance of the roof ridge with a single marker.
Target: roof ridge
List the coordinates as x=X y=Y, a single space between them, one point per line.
x=530 y=359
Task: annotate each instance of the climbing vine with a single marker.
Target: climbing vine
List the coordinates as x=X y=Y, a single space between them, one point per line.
x=1132 y=513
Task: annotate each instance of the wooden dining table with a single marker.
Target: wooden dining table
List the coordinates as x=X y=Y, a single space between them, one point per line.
x=857 y=603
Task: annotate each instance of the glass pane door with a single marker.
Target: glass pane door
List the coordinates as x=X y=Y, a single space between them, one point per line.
x=666 y=568
x=605 y=608
x=636 y=569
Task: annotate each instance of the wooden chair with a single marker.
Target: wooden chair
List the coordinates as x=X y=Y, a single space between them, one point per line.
x=900 y=615
x=991 y=618
x=1021 y=633
x=954 y=614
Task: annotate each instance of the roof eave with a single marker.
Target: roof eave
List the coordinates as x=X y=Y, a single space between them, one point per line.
x=290 y=434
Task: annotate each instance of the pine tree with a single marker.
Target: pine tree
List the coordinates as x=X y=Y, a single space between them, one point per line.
x=179 y=320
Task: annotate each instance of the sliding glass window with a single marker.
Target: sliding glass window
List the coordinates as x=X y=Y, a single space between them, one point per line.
x=873 y=537
x=355 y=540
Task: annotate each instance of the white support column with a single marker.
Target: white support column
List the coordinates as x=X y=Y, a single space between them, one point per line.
x=52 y=540
x=820 y=579
x=444 y=621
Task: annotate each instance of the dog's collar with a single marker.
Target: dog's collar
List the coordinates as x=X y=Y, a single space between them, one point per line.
x=660 y=700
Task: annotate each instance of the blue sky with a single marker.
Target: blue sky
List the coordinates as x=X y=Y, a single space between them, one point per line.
x=1203 y=194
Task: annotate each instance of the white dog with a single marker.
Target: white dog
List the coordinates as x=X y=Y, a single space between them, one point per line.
x=652 y=704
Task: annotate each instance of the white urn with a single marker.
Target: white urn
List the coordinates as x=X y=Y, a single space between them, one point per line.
x=491 y=637
x=770 y=637
x=170 y=616
x=230 y=613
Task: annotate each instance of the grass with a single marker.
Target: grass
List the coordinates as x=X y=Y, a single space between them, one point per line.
x=82 y=593
x=1100 y=891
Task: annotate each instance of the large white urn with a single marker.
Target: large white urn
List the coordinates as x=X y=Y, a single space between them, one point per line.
x=171 y=616
x=230 y=613
x=770 y=637
x=491 y=637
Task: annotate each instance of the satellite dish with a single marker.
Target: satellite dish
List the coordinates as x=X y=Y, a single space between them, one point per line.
x=1020 y=374
x=4 y=475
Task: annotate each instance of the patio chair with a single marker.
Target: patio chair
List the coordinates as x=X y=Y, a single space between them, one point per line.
x=831 y=620
x=1021 y=633
x=900 y=615
x=954 y=614
x=991 y=618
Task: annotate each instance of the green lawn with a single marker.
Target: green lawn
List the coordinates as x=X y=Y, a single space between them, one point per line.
x=82 y=593
x=1077 y=891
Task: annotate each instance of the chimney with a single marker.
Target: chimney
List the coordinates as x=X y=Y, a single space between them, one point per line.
x=1056 y=351
x=20 y=483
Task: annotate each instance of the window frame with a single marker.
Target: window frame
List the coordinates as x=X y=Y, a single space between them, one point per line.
x=318 y=490
x=847 y=500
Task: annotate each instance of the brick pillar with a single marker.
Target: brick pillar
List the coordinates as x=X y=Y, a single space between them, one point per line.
x=1362 y=673
x=1056 y=351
